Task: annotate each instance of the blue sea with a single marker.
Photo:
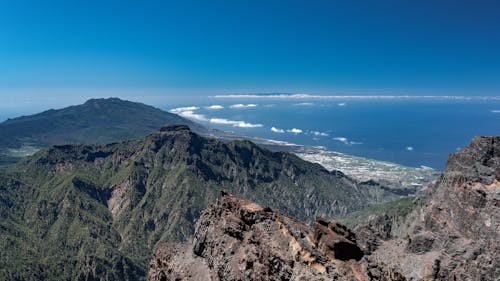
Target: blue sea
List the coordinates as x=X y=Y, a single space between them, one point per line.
x=411 y=132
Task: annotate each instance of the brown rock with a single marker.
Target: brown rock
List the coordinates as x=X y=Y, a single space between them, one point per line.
x=454 y=233
x=238 y=240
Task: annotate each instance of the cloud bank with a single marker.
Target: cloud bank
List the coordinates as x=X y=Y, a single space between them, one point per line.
x=189 y=112
x=304 y=104
x=241 y=124
x=215 y=107
x=179 y=110
x=358 y=97
x=319 y=134
x=346 y=141
x=240 y=105
x=277 y=130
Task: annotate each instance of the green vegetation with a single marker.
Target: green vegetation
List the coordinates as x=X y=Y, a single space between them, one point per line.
x=86 y=212
x=95 y=121
x=396 y=208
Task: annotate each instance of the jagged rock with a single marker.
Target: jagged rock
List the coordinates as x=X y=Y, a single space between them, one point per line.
x=454 y=232
x=239 y=240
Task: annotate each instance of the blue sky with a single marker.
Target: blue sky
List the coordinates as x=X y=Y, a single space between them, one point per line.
x=188 y=47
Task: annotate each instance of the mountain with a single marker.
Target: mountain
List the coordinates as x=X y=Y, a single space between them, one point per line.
x=453 y=232
x=111 y=120
x=450 y=234
x=95 y=121
x=238 y=240
x=97 y=211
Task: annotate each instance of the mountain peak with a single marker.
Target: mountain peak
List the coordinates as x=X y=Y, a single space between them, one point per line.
x=175 y=128
x=98 y=103
x=477 y=162
x=241 y=240
x=101 y=120
x=110 y=99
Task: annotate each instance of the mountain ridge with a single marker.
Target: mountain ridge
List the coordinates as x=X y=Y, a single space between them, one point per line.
x=135 y=193
x=95 y=121
x=449 y=234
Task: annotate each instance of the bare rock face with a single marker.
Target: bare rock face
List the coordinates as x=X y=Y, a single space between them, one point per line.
x=454 y=233
x=238 y=240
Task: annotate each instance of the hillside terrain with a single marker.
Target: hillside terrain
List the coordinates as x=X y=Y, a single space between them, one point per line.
x=95 y=121
x=450 y=234
x=110 y=120
x=97 y=211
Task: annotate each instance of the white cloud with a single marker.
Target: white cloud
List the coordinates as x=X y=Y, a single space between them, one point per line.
x=319 y=134
x=409 y=148
x=495 y=111
x=186 y=108
x=191 y=115
x=342 y=104
x=346 y=141
x=304 y=104
x=188 y=112
x=356 y=97
x=277 y=130
x=240 y=105
x=215 y=107
x=295 y=131
x=241 y=124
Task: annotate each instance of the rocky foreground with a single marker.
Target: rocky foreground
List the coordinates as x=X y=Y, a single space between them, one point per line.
x=451 y=234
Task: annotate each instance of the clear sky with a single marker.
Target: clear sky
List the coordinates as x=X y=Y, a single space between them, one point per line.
x=448 y=46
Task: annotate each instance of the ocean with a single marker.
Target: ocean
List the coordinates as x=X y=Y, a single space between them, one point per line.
x=411 y=132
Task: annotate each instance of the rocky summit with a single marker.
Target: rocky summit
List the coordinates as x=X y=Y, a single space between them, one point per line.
x=452 y=233
x=239 y=240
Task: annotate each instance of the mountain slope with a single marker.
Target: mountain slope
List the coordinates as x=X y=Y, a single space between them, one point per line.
x=95 y=121
x=104 y=207
x=453 y=232
x=450 y=234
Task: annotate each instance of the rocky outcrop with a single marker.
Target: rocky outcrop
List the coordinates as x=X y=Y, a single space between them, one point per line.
x=239 y=240
x=452 y=233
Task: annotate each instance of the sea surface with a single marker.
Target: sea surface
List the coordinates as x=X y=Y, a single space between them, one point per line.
x=412 y=132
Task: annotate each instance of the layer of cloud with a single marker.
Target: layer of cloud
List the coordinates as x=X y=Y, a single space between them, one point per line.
x=189 y=112
x=241 y=124
x=240 y=105
x=495 y=111
x=182 y=109
x=295 y=131
x=358 y=97
x=319 y=134
x=346 y=141
x=304 y=104
x=409 y=148
x=214 y=107
x=342 y=104
x=277 y=130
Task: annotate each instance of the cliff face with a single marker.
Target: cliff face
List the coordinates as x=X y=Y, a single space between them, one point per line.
x=451 y=234
x=239 y=240
x=454 y=232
